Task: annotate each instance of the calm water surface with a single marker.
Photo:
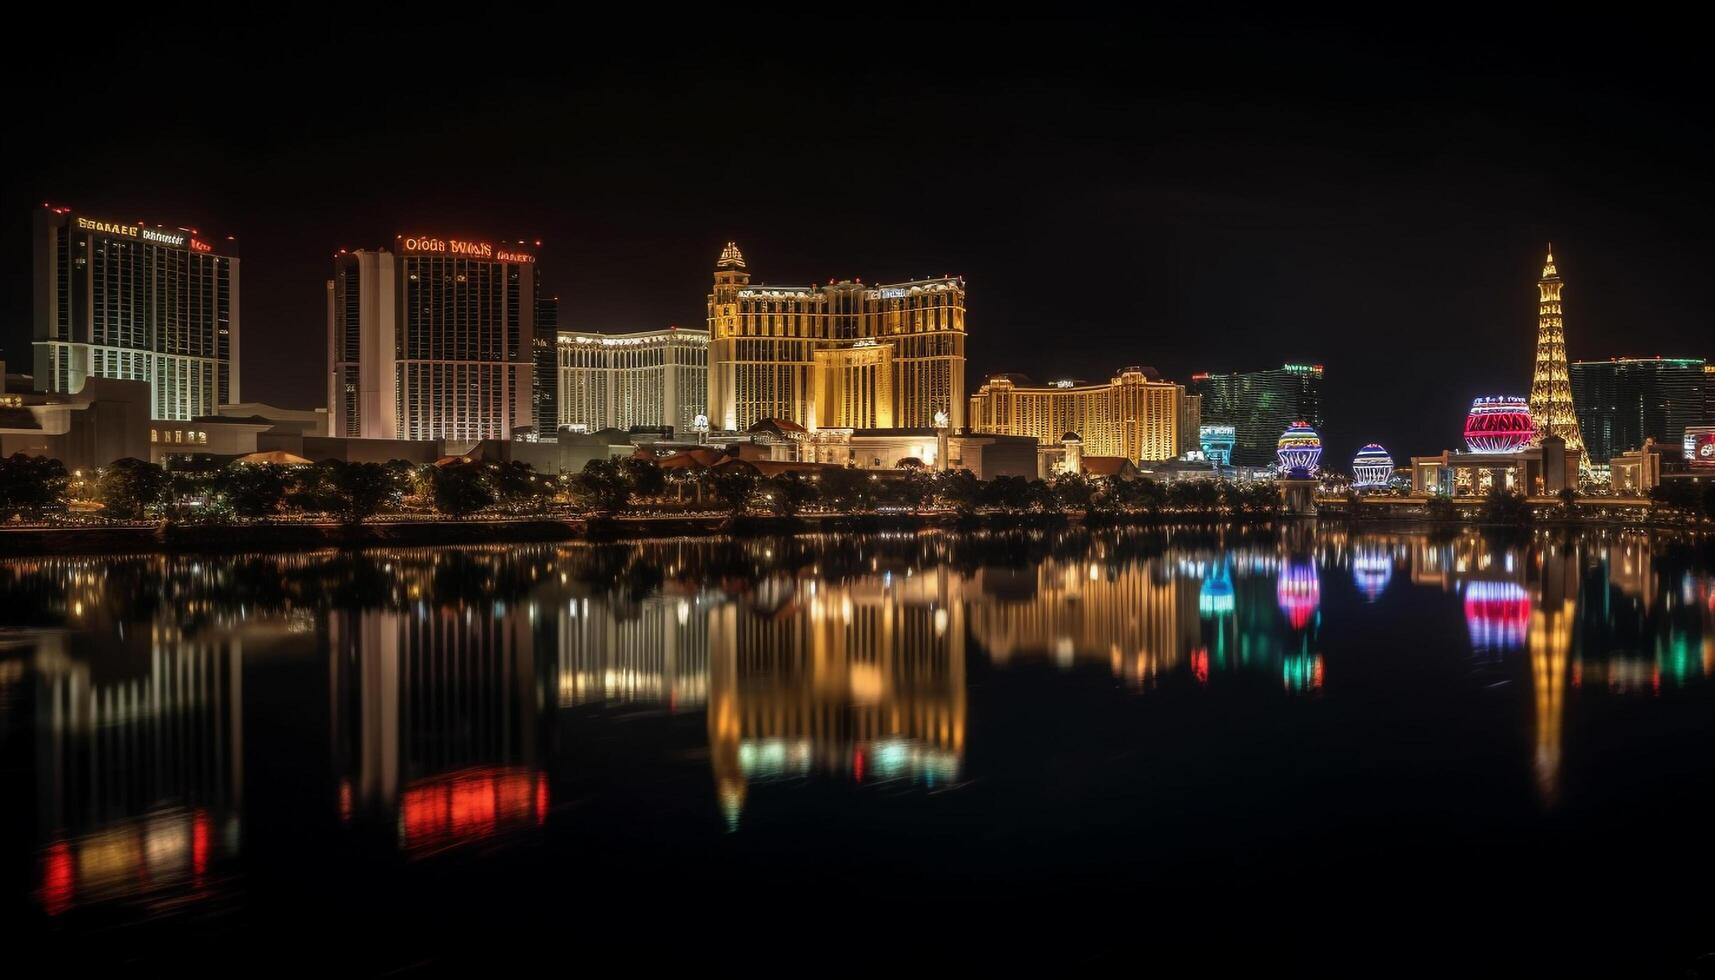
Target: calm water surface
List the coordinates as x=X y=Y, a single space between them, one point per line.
x=1303 y=751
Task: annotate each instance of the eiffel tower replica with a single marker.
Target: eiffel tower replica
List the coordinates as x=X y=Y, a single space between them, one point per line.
x=1551 y=386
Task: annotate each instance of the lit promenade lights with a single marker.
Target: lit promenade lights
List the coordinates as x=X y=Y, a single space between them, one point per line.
x=1499 y=425
x=1299 y=450
x=1372 y=467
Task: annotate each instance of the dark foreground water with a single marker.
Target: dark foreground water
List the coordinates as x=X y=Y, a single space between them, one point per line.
x=1303 y=752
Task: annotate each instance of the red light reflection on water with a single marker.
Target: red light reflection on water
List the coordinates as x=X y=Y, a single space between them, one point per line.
x=162 y=851
x=469 y=805
x=199 y=846
x=57 y=878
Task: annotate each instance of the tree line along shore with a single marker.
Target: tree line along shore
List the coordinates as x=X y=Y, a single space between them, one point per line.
x=136 y=504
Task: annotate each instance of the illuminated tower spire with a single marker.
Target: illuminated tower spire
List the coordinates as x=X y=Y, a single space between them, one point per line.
x=730 y=277
x=1551 y=387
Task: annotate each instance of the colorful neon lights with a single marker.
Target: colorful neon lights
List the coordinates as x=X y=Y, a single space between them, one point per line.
x=1497 y=614
x=1215 y=596
x=1372 y=467
x=1499 y=425
x=1372 y=570
x=1299 y=592
x=1699 y=445
x=1299 y=449
x=459 y=247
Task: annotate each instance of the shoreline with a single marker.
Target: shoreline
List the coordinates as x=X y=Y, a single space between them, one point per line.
x=25 y=542
x=229 y=538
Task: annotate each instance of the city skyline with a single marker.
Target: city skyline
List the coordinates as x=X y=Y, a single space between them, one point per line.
x=1194 y=197
x=464 y=479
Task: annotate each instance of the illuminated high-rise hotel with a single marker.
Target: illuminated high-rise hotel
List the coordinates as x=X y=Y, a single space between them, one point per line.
x=1551 y=383
x=843 y=355
x=1259 y=406
x=1624 y=400
x=1135 y=414
x=621 y=380
x=126 y=300
x=434 y=342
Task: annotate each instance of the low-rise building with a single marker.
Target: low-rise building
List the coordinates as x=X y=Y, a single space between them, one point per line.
x=1538 y=471
x=104 y=420
x=205 y=435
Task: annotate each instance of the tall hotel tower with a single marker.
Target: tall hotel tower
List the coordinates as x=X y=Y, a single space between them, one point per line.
x=844 y=355
x=434 y=342
x=120 y=300
x=1260 y=405
x=1551 y=385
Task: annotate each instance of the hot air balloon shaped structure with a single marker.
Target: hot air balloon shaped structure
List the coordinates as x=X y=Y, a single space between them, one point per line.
x=1299 y=450
x=1499 y=425
x=1372 y=467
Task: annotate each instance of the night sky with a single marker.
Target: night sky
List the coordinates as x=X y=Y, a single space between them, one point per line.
x=1210 y=196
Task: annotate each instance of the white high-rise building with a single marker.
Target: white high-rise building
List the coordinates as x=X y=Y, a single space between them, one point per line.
x=621 y=380
x=433 y=341
x=136 y=302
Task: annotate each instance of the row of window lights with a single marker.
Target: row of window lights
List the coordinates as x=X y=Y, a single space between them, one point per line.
x=178 y=437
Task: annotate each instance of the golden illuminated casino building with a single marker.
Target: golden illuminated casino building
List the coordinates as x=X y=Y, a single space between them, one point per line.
x=433 y=340
x=1134 y=415
x=843 y=355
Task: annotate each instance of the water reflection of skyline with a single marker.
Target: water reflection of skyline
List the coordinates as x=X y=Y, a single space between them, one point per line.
x=863 y=681
x=138 y=753
x=810 y=660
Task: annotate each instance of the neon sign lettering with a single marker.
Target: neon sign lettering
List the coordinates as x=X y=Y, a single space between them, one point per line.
x=467 y=249
x=163 y=237
x=108 y=227
x=156 y=236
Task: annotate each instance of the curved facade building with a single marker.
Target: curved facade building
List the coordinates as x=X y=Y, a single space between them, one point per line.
x=1133 y=415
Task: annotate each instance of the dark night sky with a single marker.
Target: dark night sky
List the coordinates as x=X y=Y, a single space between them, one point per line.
x=1220 y=195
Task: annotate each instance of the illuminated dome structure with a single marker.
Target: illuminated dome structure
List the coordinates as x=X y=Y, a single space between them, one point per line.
x=1372 y=467
x=1372 y=570
x=1499 y=425
x=1498 y=615
x=1299 y=592
x=1298 y=450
